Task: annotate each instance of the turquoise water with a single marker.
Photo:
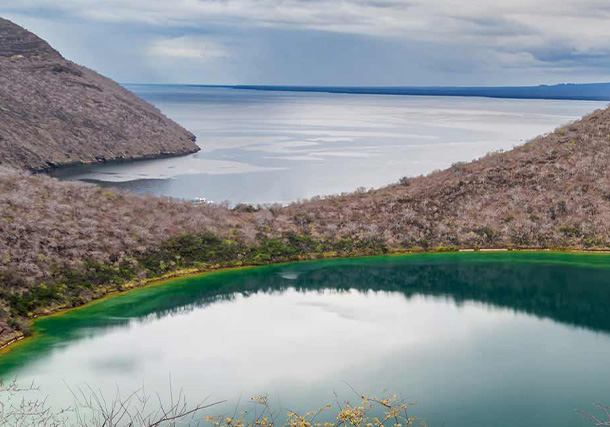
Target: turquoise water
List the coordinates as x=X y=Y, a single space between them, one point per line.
x=494 y=339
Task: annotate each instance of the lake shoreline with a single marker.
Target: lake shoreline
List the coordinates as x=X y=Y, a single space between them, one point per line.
x=18 y=337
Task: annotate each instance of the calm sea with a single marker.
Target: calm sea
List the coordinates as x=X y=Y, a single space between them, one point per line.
x=273 y=146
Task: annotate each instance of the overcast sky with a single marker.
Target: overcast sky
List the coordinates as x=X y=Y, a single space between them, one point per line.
x=328 y=42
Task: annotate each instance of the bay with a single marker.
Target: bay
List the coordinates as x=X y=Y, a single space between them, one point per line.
x=277 y=147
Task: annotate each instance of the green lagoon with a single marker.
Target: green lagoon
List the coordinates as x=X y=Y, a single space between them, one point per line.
x=476 y=339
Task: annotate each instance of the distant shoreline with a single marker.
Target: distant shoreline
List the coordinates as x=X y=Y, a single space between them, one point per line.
x=567 y=92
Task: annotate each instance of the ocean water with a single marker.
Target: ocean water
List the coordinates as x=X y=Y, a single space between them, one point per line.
x=586 y=91
x=272 y=146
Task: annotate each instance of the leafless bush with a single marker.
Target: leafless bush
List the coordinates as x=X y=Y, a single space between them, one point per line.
x=23 y=407
x=18 y=410
x=594 y=419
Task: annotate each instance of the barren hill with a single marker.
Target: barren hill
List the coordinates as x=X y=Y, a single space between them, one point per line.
x=54 y=112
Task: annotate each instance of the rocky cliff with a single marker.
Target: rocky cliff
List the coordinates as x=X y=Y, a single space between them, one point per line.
x=54 y=112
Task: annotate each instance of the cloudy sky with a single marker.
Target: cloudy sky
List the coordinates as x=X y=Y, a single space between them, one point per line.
x=328 y=42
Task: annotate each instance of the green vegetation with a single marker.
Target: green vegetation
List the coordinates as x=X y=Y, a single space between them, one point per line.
x=72 y=286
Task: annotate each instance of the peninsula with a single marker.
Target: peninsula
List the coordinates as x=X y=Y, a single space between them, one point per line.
x=54 y=112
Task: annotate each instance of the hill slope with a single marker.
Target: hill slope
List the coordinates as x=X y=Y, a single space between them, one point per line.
x=553 y=191
x=63 y=243
x=54 y=112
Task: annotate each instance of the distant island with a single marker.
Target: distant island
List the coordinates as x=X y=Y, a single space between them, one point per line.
x=570 y=91
x=63 y=244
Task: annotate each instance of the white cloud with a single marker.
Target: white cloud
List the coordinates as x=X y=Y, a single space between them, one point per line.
x=567 y=36
x=189 y=47
x=579 y=23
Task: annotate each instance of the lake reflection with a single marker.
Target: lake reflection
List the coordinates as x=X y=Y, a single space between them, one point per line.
x=476 y=339
x=263 y=147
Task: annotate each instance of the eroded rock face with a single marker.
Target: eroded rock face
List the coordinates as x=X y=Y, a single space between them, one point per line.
x=54 y=112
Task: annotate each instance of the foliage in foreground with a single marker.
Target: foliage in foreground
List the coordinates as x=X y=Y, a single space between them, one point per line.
x=22 y=407
x=369 y=412
x=594 y=418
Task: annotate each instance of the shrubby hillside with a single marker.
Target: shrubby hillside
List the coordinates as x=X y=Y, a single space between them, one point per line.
x=553 y=191
x=64 y=243
x=54 y=112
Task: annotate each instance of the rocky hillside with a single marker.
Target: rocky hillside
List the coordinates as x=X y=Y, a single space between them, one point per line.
x=54 y=112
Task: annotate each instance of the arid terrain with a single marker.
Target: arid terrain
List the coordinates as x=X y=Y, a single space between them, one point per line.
x=54 y=112
x=62 y=244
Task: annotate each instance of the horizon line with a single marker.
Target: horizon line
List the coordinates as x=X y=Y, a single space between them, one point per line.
x=561 y=91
